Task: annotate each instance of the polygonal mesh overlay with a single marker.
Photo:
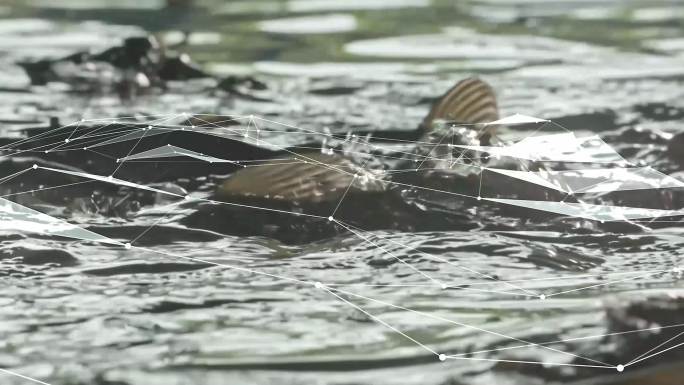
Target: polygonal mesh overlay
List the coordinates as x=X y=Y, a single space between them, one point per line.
x=595 y=168
x=16 y=217
x=170 y=151
x=596 y=180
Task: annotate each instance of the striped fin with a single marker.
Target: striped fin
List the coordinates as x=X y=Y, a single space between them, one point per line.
x=470 y=101
x=310 y=177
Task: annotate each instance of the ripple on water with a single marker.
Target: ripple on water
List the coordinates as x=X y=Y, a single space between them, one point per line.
x=386 y=71
x=160 y=319
x=99 y=4
x=671 y=46
x=465 y=44
x=631 y=67
x=512 y=10
x=324 y=5
x=219 y=318
x=23 y=39
x=307 y=6
x=318 y=24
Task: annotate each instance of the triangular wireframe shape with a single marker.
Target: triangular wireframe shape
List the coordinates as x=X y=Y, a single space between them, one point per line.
x=596 y=180
x=590 y=211
x=564 y=147
x=595 y=148
x=517 y=119
x=170 y=151
x=528 y=176
x=14 y=216
x=227 y=134
x=562 y=139
x=109 y=180
x=137 y=134
x=623 y=179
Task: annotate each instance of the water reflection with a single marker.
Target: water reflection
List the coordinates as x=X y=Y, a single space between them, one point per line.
x=348 y=66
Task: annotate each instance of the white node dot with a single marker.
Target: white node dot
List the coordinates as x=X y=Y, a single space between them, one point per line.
x=127 y=245
x=66 y=140
x=542 y=296
x=620 y=368
x=46 y=151
x=318 y=285
x=442 y=357
x=187 y=197
x=444 y=286
x=330 y=219
x=479 y=198
x=110 y=177
x=35 y=166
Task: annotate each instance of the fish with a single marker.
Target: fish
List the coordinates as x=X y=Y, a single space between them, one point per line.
x=294 y=196
x=314 y=177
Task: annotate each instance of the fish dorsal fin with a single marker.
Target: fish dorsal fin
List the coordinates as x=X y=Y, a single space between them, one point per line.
x=470 y=101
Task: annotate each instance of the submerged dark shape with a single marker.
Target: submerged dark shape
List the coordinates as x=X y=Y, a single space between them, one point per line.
x=180 y=67
x=138 y=63
x=675 y=149
x=292 y=201
x=418 y=188
x=642 y=334
x=320 y=177
x=660 y=319
x=237 y=83
x=424 y=185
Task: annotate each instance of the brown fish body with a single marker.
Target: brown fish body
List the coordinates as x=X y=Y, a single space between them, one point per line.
x=290 y=198
x=313 y=177
x=310 y=177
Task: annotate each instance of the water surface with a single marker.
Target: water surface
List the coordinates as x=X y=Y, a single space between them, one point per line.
x=79 y=312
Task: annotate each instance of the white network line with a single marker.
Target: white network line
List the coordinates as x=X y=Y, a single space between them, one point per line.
x=128 y=127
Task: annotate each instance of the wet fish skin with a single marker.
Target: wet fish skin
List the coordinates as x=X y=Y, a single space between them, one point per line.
x=311 y=177
x=316 y=183
x=469 y=101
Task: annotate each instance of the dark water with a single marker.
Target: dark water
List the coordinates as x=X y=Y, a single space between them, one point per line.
x=85 y=313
